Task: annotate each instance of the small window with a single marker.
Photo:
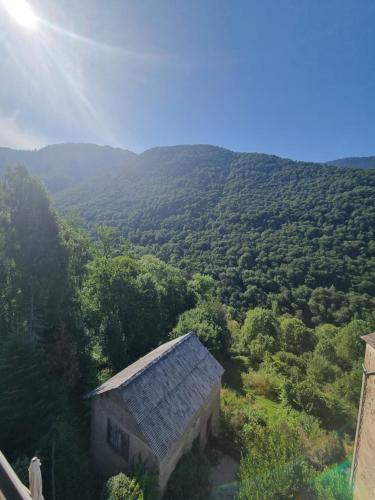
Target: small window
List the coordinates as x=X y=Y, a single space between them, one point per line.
x=118 y=439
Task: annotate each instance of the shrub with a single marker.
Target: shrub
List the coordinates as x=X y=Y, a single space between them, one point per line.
x=190 y=479
x=236 y=413
x=208 y=320
x=261 y=384
x=273 y=465
x=122 y=487
x=295 y=336
x=333 y=485
x=260 y=323
x=322 y=448
x=146 y=477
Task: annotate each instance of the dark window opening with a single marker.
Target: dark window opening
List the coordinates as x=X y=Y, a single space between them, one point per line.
x=118 y=439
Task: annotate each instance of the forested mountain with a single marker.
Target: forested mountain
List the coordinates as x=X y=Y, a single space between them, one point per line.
x=74 y=310
x=298 y=237
x=65 y=165
x=355 y=162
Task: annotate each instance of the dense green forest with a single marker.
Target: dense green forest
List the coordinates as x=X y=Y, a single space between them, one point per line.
x=296 y=237
x=77 y=307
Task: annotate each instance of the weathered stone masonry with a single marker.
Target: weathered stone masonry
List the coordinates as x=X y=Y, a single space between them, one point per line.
x=363 y=466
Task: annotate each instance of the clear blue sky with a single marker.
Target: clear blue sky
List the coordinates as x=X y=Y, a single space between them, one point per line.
x=290 y=77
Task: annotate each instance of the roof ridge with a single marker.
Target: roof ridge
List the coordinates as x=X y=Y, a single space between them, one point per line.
x=178 y=342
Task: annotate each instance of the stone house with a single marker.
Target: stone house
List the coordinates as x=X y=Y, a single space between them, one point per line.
x=155 y=409
x=363 y=465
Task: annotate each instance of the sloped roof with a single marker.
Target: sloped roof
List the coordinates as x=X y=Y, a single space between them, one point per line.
x=369 y=339
x=166 y=388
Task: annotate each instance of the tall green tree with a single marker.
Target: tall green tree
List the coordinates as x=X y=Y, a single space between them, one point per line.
x=131 y=304
x=260 y=332
x=33 y=254
x=295 y=336
x=208 y=321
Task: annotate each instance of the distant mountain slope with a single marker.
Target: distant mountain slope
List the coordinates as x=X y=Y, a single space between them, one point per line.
x=64 y=165
x=271 y=230
x=355 y=162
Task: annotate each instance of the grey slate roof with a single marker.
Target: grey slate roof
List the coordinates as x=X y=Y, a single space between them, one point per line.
x=166 y=388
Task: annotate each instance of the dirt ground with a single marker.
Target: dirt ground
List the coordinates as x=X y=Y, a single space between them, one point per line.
x=224 y=479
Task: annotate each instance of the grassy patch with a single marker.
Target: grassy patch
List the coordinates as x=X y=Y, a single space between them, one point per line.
x=266 y=406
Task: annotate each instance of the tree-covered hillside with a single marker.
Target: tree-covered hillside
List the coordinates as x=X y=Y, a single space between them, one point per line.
x=65 y=165
x=355 y=162
x=294 y=236
x=75 y=310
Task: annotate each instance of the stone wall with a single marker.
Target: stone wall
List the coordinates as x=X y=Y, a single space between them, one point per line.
x=364 y=478
x=106 y=460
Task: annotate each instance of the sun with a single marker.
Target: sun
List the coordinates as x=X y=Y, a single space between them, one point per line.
x=22 y=13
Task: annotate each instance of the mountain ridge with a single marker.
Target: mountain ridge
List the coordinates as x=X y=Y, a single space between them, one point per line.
x=64 y=165
x=365 y=162
x=67 y=165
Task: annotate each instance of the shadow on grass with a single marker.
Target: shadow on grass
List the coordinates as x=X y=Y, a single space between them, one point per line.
x=234 y=366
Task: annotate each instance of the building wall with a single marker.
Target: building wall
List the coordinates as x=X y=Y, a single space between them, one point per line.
x=197 y=429
x=364 y=479
x=106 y=460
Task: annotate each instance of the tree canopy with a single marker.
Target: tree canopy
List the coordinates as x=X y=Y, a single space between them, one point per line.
x=273 y=232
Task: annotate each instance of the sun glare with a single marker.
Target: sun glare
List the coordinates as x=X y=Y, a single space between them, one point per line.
x=22 y=13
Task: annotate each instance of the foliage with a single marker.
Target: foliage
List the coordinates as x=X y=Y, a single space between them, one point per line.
x=333 y=485
x=74 y=310
x=209 y=321
x=295 y=336
x=325 y=381
x=189 y=480
x=147 y=478
x=260 y=333
x=273 y=465
x=351 y=347
x=25 y=390
x=122 y=487
x=33 y=257
x=272 y=232
x=202 y=287
x=235 y=414
x=261 y=384
x=130 y=305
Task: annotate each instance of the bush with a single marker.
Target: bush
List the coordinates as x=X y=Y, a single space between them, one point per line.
x=190 y=479
x=235 y=413
x=322 y=448
x=208 y=320
x=260 y=323
x=261 y=384
x=333 y=485
x=122 y=487
x=273 y=465
x=146 y=477
x=295 y=336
